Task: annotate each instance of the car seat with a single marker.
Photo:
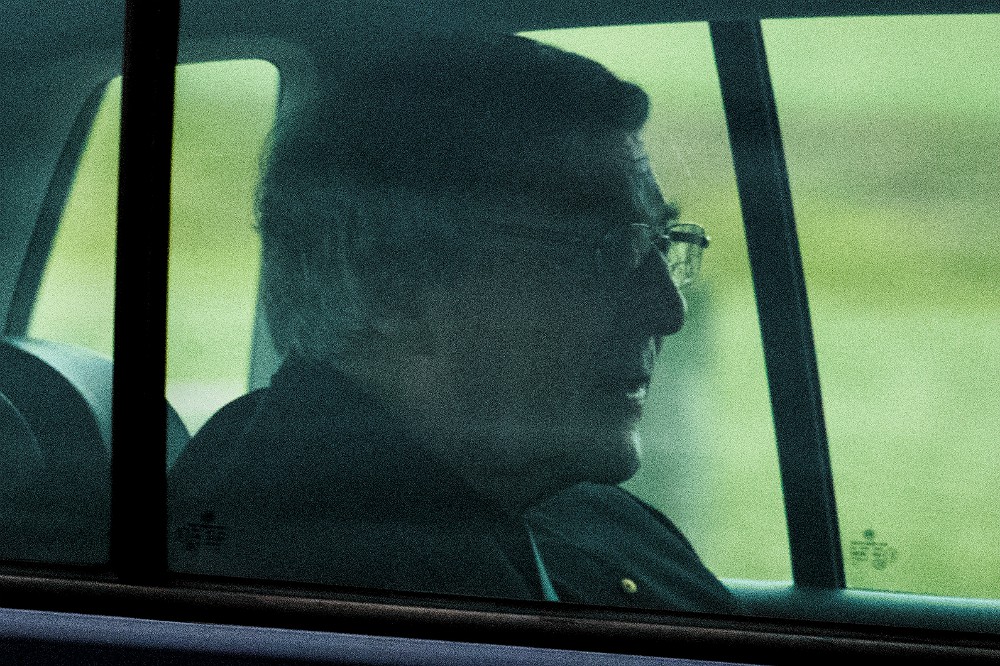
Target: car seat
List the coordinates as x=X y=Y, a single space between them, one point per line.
x=58 y=411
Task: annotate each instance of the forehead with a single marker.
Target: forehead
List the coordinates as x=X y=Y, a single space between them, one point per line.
x=647 y=198
x=595 y=185
x=617 y=184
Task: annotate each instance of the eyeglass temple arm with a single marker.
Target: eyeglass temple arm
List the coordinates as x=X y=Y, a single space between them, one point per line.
x=701 y=240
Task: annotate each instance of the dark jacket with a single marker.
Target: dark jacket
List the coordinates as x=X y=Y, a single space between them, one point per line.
x=300 y=482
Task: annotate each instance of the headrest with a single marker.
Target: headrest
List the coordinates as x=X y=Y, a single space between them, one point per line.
x=20 y=455
x=64 y=393
x=57 y=408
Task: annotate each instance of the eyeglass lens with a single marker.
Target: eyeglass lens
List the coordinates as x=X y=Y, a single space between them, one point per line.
x=687 y=244
x=625 y=248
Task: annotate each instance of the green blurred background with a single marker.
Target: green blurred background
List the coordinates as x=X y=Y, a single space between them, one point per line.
x=892 y=134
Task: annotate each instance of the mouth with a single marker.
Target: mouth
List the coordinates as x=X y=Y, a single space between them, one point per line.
x=633 y=385
x=634 y=389
x=623 y=397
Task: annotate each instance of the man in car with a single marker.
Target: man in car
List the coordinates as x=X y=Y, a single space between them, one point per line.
x=465 y=265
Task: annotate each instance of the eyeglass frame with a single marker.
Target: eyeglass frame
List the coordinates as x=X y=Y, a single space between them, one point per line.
x=689 y=233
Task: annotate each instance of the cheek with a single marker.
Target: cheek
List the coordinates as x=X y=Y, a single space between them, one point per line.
x=527 y=327
x=550 y=310
x=535 y=333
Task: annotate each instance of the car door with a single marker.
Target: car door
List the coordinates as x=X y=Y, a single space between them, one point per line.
x=822 y=440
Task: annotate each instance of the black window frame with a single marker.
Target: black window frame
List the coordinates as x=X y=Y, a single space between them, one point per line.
x=138 y=537
x=139 y=583
x=782 y=304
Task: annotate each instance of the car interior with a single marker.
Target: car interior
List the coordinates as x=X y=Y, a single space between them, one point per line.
x=821 y=424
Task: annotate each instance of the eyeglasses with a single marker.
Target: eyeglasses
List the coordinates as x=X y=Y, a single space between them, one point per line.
x=624 y=248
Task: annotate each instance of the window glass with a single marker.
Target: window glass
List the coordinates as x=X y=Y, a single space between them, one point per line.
x=76 y=297
x=55 y=384
x=224 y=111
x=451 y=280
x=55 y=393
x=710 y=460
x=890 y=127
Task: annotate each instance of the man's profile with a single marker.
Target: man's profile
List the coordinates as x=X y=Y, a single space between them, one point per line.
x=469 y=270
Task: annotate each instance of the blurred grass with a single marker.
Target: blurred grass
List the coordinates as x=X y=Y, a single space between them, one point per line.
x=223 y=112
x=708 y=437
x=893 y=145
x=891 y=130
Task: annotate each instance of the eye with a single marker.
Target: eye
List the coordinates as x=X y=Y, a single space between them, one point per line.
x=661 y=242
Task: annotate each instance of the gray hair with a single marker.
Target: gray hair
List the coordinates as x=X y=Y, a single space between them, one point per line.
x=364 y=263
x=368 y=187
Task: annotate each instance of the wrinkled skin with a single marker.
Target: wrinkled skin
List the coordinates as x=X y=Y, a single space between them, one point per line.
x=540 y=366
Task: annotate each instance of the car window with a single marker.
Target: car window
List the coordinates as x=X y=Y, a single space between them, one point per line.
x=76 y=296
x=55 y=403
x=708 y=437
x=708 y=402
x=223 y=113
x=890 y=130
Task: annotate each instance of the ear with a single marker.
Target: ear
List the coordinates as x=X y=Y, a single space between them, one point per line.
x=431 y=326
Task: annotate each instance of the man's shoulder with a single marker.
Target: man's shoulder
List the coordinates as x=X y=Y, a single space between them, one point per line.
x=210 y=458
x=606 y=546
x=602 y=503
x=287 y=436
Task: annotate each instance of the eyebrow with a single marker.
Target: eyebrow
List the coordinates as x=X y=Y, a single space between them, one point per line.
x=669 y=213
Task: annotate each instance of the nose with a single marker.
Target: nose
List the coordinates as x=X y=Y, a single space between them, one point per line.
x=656 y=303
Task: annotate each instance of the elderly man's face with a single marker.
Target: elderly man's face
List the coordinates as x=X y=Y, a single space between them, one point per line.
x=549 y=357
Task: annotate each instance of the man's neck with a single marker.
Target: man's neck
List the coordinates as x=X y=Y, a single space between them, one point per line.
x=411 y=385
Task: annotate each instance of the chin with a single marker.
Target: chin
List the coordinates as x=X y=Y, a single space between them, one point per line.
x=611 y=459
